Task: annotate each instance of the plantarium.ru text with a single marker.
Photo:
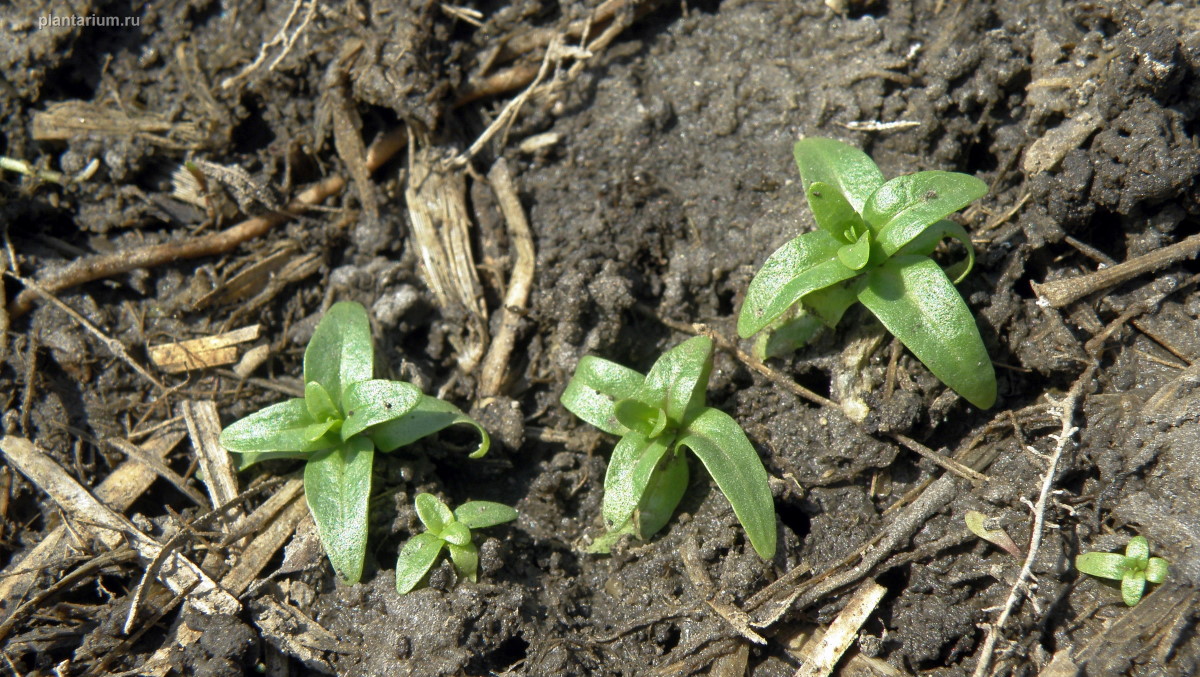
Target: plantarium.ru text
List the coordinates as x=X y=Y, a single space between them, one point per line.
x=873 y=246
x=657 y=416
x=343 y=418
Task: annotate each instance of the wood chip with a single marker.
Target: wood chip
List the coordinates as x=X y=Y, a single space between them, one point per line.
x=841 y=634
x=220 y=477
x=204 y=352
x=91 y=516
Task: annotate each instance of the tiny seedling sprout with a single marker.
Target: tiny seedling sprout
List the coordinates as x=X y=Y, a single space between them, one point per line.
x=451 y=530
x=344 y=417
x=657 y=416
x=1134 y=569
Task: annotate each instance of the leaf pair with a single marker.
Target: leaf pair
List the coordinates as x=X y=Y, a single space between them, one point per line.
x=1134 y=569
x=451 y=530
x=344 y=417
x=873 y=246
x=658 y=416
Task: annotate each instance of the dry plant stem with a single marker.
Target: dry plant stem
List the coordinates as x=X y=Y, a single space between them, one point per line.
x=98 y=267
x=494 y=370
x=843 y=630
x=963 y=471
x=1059 y=293
x=264 y=546
x=204 y=427
x=112 y=528
x=119 y=490
x=1066 y=410
x=151 y=461
x=736 y=618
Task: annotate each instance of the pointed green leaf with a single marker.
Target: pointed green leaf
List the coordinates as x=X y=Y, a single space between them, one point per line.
x=316 y=431
x=1132 y=587
x=648 y=421
x=849 y=170
x=831 y=303
x=918 y=304
x=340 y=351
x=480 y=514
x=721 y=445
x=416 y=559
x=1137 y=552
x=783 y=338
x=279 y=427
x=337 y=485
x=629 y=470
x=907 y=205
x=1157 y=569
x=376 y=401
x=677 y=381
x=662 y=495
x=594 y=389
x=245 y=460
x=925 y=243
x=427 y=417
x=457 y=533
x=466 y=560
x=803 y=265
x=855 y=256
x=1102 y=564
x=319 y=402
x=433 y=513
x=832 y=212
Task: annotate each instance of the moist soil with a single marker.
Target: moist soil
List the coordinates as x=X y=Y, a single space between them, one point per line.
x=657 y=176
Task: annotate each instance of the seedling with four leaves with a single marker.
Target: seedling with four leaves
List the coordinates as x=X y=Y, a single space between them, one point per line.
x=873 y=245
x=657 y=416
x=1134 y=569
x=451 y=530
x=344 y=417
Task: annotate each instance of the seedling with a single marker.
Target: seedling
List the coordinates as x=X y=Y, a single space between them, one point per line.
x=657 y=416
x=344 y=417
x=984 y=527
x=873 y=246
x=1134 y=569
x=451 y=530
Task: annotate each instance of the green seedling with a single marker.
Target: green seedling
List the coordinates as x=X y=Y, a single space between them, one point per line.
x=1134 y=569
x=451 y=530
x=873 y=246
x=984 y=527
x=657 y=416
x=344 y=417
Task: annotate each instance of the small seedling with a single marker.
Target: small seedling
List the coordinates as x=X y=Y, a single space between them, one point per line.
x=449 y=529
x=1134 y=569
x=873 y=246
x=657 y=416
x=984 y=527
x=344 y=417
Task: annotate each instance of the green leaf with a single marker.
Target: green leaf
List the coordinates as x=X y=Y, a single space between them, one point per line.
x=977 y=522
x=594 y=389
x=1102 y=564
x=832 y=212
x=855 y=255
x=678 y=379
x=340 y=351
x=803 y=265
x=662 y=495
x=427 y=417
x=433 y=513
x=629 y=470
x=319 y=403
x=925 y=243
x=480 y=514
x=457 y=533
x=787 y=337
x=919 y=305
x=907 y=205
x=465 y=559
x=1157 y=569
x=849 y=170
x=337 y=484
x=1132 y=587
x=648 y=421
x=316 y=431
x=245 y=460
x=831 y=303
x=1137 y=552
x=376 y=401
x=279 y=427
x=416 y=559
x=721 y=445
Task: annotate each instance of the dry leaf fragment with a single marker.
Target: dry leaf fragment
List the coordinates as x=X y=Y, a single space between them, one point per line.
x=204 y=352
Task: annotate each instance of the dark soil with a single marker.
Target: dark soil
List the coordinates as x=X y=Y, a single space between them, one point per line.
x=667 y=180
